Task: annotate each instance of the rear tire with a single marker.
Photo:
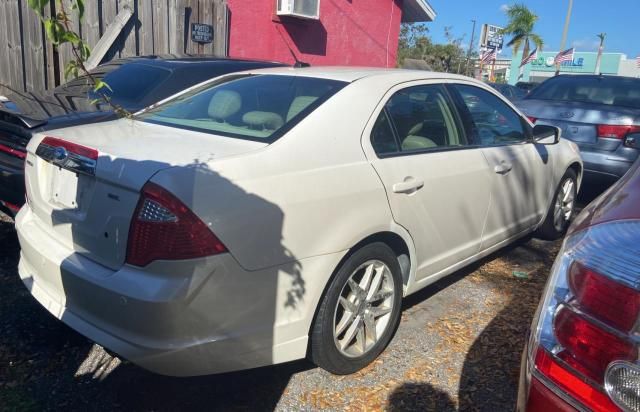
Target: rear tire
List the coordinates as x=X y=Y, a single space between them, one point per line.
x=561 y=209
x=359 y=312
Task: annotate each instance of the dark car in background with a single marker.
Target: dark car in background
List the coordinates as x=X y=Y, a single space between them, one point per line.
x=135 y=83
x=526 y=86
x=583 y=350
x=512 y=93
x=601 y=114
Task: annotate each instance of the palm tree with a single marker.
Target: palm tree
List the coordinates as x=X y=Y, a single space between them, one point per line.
x=520 y=28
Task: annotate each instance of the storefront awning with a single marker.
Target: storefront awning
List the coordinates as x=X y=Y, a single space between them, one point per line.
x=414 y=11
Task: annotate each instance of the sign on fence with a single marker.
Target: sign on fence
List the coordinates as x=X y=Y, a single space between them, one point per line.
x=201 y=33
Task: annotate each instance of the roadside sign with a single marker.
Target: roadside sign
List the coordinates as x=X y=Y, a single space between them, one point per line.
x=491 y=38
x=201 y=33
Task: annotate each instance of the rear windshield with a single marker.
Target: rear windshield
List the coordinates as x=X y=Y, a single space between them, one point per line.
x=253 y=107
x=130 y=83
x=612 y=91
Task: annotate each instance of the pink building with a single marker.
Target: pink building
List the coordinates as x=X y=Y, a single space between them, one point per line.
x=322 y=32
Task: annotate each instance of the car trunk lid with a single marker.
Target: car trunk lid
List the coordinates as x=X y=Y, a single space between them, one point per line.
x=84 y=184
x=578 y=120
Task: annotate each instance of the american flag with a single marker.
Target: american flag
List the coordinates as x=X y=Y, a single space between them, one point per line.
x=489 y=55
x=530 y=58
x=638 y=61
x=565 y=56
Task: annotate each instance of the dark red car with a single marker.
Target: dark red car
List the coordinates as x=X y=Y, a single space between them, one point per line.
x=583 y=350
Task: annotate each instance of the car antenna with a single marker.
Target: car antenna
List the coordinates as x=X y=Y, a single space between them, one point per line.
x=298 y=63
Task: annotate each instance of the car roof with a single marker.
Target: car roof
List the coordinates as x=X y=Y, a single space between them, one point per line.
x=350 y=74
x=178 y=59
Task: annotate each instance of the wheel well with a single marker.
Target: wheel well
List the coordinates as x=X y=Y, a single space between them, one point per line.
x=576 y=168
x=396 y=243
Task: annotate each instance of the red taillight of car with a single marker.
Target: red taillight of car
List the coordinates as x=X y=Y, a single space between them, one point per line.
x=13 y=152
x=588 y=347
x=616 y=131
x=532 y=119
x=164 y=228
x=588 y=316
x=75 y=148
x=572 y=383
x=604 y=298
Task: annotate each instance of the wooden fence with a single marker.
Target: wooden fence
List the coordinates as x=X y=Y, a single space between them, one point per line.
x=28 y=62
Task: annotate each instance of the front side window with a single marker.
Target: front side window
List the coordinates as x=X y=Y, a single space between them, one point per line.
x=422 y=118
x=253 y=107
x=493 y=122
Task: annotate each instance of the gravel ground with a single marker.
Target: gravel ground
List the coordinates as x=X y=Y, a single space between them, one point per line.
x=458 y=347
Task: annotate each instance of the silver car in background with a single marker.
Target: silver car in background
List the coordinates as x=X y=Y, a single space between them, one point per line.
x=601 y=114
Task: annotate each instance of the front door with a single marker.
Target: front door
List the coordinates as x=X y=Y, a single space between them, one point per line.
x=518 y=166
x=438 y=187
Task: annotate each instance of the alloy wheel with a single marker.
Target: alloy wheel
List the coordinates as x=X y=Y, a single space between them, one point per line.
x=363 y=309
x=564 y=204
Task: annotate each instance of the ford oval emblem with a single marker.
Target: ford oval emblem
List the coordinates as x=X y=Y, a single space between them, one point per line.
x=60 y=153
x=566 y=115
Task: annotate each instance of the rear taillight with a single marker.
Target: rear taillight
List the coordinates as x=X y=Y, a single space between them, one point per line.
x=164 y=228
x=20 y=154
x=74 y=148
x=587 y=320
x=616 y=131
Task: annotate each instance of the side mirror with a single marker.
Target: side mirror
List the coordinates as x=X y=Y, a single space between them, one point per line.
x=547 y=135
x=632 y=140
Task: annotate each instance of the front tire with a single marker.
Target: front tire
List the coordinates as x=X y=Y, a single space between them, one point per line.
x=561 y=210
x=359 y=312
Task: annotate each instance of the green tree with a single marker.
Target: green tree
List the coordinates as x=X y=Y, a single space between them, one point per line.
x=415 y=43
x=520 y=28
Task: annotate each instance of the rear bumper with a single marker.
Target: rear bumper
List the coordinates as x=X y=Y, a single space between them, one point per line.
x=174 y=318
x=607 y=166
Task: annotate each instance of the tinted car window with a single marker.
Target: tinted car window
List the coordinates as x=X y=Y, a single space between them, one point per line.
x=493 y=121
x=613 y=91
x=383 y=139
x=132 y=82
x=254 y=107
x=424 y=119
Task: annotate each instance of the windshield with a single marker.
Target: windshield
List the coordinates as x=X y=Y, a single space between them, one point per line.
x=612 y=91
x=253 y=107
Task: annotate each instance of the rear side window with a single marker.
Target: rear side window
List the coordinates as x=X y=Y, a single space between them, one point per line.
x=493 y=122
x=612 y=91
x=254 y=107
x=421 y=117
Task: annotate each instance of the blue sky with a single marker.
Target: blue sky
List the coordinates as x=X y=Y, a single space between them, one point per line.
x=620 y=19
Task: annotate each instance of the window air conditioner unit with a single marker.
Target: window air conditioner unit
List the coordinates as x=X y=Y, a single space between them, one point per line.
x=306 y=9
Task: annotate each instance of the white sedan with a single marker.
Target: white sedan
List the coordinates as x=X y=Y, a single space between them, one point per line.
x=271 y=215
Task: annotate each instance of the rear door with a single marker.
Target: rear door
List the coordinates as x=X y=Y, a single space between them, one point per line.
x=437 y=186
x=521 y=170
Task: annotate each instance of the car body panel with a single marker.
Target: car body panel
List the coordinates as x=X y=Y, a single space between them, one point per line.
x=288 y=213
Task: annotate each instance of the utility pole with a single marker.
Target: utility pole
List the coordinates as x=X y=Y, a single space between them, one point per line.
x=473 y=35
x=564 y=33
x=601 y=36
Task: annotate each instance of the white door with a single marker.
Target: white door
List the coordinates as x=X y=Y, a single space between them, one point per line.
x=437 y=186
x=518 y=194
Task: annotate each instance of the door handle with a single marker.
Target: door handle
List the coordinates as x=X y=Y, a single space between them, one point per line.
x=409 y=185
x=503 y=168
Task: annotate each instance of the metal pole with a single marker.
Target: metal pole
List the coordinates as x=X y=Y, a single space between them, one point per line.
x=564 y=33
x=473 y=35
